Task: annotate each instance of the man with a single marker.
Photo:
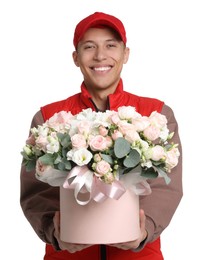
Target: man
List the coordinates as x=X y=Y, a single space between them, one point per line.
x=100 y=53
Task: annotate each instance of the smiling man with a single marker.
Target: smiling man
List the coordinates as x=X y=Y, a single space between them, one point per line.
x=100 y=52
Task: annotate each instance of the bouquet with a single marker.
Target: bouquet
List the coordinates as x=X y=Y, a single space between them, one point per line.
x=102 y=153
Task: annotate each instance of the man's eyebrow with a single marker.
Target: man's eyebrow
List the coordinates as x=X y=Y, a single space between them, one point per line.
x=108 y=40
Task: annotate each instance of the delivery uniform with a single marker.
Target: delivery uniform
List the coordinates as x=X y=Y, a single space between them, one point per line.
x=39 y=201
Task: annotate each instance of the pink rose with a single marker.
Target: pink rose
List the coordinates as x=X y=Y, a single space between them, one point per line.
x=78 y=141
x=132 y=136
x=158 y=153
x=109 y=141
x=83 y=127
x=114 y=118
x=102 y=167
x=172 y=158
x=141 y=123
x=123 y=126
x=59 y=120
x=41 y=143
x=158 y=119
x=41 y=169
x=103 y=130
x=98 y=143
x=151 y=132
x=116 y=134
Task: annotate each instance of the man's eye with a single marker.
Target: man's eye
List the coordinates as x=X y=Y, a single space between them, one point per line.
x=88 y=47
x=111 y=45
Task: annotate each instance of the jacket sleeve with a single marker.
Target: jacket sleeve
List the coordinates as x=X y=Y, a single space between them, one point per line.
x=162 y=203
x=38 y=200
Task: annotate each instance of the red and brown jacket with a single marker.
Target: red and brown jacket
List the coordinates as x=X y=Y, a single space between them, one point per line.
x=39 y=201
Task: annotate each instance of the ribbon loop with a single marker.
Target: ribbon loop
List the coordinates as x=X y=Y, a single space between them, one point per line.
x=82 y=180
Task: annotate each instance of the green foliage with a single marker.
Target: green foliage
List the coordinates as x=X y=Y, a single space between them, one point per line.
x=121 y=147
x=47 y=159
x=64 y=139
x=149 y=173
x=30 y=165
x=132 y=159
x=107 y=158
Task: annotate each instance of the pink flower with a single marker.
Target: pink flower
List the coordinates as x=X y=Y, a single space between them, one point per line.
x=116 y=134
x=41 y=143
x=98 y=143
x=60 y=121
x=114 y=118
x=158 y=119
x=83 y=127
x=132 y=136
x=103 y=131
x=152 y=132
x=78 y=141
x=158 y=153
x=102 y=167
x=124 y=126
x=172 y=158
x=141 y=123
x=109 y=141
x=41 y=168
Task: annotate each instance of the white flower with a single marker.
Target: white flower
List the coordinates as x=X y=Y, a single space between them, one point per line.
x=80 y=156
x=126 y=112
x=53 y=144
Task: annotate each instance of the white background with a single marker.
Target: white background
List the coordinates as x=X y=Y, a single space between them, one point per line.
x=168 y=61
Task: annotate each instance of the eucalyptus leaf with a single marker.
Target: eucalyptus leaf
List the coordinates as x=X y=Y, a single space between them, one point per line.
x=25 y=155
x=47 y=159
x=64 y=152
x=64 y=165
x=68 y=165
x=30 y=165
x=132 y=159
x=107 y=158
x=64 y=139
x=149 y=173
x=121 y=147
x=61 y=166
x=58 y=159
x=164 y=175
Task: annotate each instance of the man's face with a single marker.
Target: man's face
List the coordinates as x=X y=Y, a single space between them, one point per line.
x=101 y=55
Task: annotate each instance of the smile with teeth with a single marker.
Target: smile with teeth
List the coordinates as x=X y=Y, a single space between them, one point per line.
x=102 y=68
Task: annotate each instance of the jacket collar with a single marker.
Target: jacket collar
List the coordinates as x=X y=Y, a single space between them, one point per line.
x=114 y=100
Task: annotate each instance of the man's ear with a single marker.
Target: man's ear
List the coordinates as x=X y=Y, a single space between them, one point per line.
x=126 y=55
x=75 y=58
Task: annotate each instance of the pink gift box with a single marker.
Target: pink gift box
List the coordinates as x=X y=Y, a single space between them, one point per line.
x=110 y=221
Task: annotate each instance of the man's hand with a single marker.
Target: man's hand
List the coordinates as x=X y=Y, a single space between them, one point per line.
x=143 y=234
x=72 y=248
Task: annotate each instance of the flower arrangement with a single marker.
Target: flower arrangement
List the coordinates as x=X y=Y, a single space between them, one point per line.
x=102 y=147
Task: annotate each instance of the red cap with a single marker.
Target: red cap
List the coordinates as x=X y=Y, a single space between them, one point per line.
x=98 y=19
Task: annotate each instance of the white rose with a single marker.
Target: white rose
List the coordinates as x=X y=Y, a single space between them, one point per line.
x=126 y=112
